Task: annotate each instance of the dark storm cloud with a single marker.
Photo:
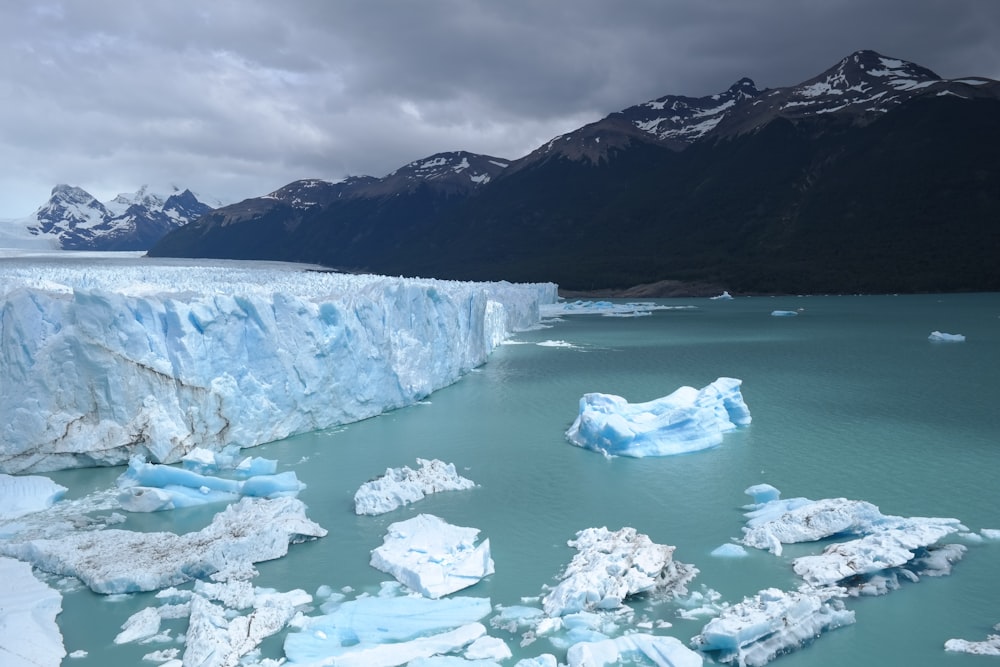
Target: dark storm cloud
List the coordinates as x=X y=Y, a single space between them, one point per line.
x=236 y=98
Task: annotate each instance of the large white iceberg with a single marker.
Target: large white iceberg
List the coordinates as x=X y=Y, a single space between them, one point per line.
x=400 y=486
x=687 y=420
x=753 y=632
x=122 y=561
x=433 y=557
x=99 y=362
x=610 y=566
x=29 y=636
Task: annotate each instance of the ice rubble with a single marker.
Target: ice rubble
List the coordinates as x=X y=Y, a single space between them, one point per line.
x=103 y=361
x=121 y=561
x=432 y=557
x=401 y=486
x=687 y=420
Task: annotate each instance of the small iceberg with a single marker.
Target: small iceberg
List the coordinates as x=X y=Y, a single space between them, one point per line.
x=940 y=337
x=665 y=651
x=725 y=296
x=783 y=313
x=612 y=565
x=772 y=622
x=25 y=494
x=432 y=557
x=685 y=421
x=401 y=486
x=989 y=646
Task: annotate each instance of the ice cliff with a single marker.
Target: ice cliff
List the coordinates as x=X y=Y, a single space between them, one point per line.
x=102 y=362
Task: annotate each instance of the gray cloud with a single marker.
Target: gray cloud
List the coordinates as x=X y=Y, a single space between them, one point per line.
x=236 y=98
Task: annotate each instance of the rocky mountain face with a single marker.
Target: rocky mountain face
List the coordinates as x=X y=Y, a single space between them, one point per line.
x=133 y=221
x=874 y=176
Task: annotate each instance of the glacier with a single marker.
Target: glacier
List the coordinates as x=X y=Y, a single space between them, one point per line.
x=103 y=361
x=686 y=420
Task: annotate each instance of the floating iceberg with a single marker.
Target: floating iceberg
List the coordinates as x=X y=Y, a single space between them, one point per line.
x=433 y=557
x=939 y=337
x=989 y=646
x=400 y=486
x=725 y=296
x=755 y=631
x=783 y=313
x=611 y=566
x=99 y=362
x=29 y=636
x=24 y=494
x=687 y=420
x=661 y=651
x=387 y=630
x=121 y=561
x=151 y=487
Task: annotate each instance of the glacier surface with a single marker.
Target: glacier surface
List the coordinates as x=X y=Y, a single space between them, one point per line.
x=686 y=420
x=100 y=362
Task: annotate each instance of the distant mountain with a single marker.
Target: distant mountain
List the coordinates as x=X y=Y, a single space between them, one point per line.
x=874 y=176
x=72 y=219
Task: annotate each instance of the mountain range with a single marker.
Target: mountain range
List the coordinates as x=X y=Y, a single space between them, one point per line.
x=877 y=175
x=73 y=219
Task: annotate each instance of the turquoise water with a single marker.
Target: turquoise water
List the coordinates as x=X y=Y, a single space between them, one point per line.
x=849 y=399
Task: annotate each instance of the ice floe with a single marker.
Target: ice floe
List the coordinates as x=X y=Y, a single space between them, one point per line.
x=432 y=557
x=401 y=486
x=686 y=420
x=121 y=561
x=988 y=646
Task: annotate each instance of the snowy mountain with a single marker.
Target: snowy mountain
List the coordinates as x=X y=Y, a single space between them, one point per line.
x=72 y=219
x=876 y=175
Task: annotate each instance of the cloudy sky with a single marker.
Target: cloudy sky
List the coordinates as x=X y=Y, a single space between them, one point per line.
x=235 y=98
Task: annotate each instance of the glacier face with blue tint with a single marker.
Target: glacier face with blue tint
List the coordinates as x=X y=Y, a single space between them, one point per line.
x=101 y=362
x=687 y=420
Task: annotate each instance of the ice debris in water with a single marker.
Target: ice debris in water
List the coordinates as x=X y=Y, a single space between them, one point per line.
x=432 y=557
x=686 y=420
x=401 y=486
x=989 y=646
x=940 y=337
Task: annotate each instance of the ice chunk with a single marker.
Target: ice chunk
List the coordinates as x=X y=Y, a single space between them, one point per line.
x=729 y=551
x=660 y=651
x=799 y=520
x=150 y=487
x=373 y=631
x=401 y=486
x=990 y=646
x=179 y=357
x=783 y=313
x=939 y=337
x=762 y=493
x=121 y=561
x=610 y=566
x=771 y=622
x=29 y=635
x=24 y=494
x=725 y=296
x=488 y=648
x=685 y=421
x=140 y=625
x=433 y=557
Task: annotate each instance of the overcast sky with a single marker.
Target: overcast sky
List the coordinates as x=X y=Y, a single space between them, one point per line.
x=235 y=98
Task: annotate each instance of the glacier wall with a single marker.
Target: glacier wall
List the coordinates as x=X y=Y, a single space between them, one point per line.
x=100 y=362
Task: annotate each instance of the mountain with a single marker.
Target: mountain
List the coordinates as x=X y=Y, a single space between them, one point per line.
x=72 y=219
x=874 y=176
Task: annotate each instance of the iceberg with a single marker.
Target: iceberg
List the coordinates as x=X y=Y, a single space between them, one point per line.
x=940 y=337
x=432 y=557
x=25 y=494
x=989 y=646
x=783 y=313
x=100 y=362
x=610 y=566
x=113 y=561
x=687 y=420
x=660 y=651
x=29 y=636
x=772 y=622
x=151 y=487
x=401 y=486
x=725 y=296
x=387 y=630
